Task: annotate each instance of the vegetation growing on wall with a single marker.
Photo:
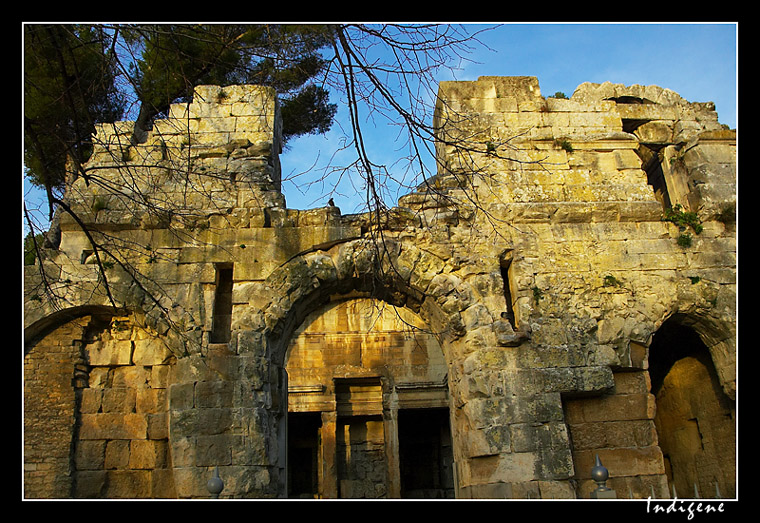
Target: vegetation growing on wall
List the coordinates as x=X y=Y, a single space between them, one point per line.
x=684 y=219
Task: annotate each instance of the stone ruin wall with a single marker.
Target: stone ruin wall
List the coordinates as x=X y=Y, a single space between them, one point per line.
x=545 y=296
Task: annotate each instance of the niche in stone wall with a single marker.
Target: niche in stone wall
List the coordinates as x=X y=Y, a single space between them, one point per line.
x=666 y=174
x=656 y=150
x=222 y=318
x=651 y=162
x=505 y=266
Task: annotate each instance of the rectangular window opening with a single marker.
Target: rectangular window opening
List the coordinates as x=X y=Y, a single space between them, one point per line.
x=506 y=277
x=222 y=316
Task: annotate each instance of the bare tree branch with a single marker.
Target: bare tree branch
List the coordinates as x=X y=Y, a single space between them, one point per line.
x=387 y=73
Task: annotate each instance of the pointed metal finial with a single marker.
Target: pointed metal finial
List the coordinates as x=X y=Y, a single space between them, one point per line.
x=717 y=491
x=599 y=474
x=696 y=492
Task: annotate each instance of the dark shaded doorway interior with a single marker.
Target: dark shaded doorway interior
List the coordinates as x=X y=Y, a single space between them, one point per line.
x=303 y=454
x=425 y=453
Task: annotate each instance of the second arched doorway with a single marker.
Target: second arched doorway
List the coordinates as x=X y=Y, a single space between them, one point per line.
x=695 y=419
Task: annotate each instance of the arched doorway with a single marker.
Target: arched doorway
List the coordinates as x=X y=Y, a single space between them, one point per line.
x=96 y=407
x=695 y=420
x=362 y=375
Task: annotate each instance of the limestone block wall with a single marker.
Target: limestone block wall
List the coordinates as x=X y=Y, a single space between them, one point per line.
x=200 y=194
x=122 y=447
x=578 y=210
x=618 y=427
x=187 y=169
x=538 y=256
x=593 y=268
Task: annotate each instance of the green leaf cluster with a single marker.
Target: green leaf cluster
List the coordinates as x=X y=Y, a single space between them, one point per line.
x=31 y=245
x=683 y=219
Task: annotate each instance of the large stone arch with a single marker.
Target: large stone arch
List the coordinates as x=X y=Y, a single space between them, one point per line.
x=401 y=274
x=149 y=305
x=719 y=337
x=621 y=424
x=55 y=319
x=461 y=315
x=52 y=358
x=443 y=300
x=708 y=308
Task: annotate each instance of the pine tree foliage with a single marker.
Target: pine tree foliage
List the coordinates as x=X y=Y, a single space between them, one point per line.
x=76 y=76
x=69 y=85
x=176 y=58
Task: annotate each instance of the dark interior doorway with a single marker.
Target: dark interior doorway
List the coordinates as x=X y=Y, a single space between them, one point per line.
x=303 y=454
x=695 y=420
x=425 y=453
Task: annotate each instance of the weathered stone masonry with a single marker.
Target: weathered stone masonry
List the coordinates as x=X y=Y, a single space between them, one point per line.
x=526 y=295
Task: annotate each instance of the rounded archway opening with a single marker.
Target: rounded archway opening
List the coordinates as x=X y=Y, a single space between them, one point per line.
x=361 y=375
x=695 y=419
x=95 y=407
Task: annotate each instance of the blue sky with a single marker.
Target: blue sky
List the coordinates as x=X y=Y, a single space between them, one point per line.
x=698 y=61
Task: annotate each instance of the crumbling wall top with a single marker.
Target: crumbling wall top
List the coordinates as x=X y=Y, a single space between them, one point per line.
x=519 y=87
x=653 y=94
x=216 y=117
x=218 y=151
